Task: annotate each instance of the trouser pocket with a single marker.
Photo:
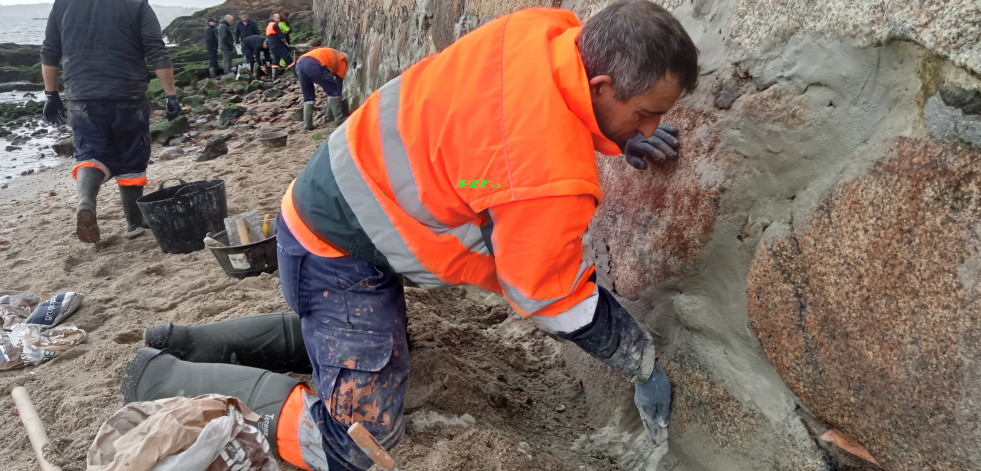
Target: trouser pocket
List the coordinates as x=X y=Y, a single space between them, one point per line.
x=361 y=377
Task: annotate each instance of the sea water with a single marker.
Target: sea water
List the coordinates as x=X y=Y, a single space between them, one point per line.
x=25 y=24
x=34 y=155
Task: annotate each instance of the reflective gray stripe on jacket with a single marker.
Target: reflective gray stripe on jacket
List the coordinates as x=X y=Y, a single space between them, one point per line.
x=319 y=213
x=103 y=47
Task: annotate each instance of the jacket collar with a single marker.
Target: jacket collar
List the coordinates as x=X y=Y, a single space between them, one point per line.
x=570 y=76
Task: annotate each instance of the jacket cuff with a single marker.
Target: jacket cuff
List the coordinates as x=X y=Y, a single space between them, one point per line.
x=615 y=338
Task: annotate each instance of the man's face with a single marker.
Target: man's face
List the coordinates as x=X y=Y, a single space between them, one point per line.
x=621 y=120
x=245 y=18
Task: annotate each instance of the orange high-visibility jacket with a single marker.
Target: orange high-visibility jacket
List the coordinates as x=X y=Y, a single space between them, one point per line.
x=495 y=131
x=333 y=59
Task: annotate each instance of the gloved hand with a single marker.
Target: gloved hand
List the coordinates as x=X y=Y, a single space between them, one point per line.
x=54 y=109
x=173 y=107
x=657 y=148
x=653 y=399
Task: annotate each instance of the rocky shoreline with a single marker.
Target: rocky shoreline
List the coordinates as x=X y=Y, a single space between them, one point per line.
x=205 y=100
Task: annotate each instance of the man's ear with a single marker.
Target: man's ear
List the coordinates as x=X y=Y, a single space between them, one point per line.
x=601 y=84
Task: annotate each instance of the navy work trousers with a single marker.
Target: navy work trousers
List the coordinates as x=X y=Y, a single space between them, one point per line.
x=281 y=55
x=309 y=71
x=352 y=314
x=115 y=133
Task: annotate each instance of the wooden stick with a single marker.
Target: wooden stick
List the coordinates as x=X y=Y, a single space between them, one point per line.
x=370 y=446
x=243 y=232
x=35 y=429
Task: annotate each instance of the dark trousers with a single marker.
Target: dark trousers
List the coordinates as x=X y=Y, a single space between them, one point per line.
x=213 y=58
x=226 y=60
x=352 y=314
x=280 y=55
x=114 y=133
x=309 y=72
x=252 y=56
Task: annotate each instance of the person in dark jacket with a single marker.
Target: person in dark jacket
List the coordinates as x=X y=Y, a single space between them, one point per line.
x=278 y=43
x=211 y=45
x=226 y=43
x=108 y=107
x=245 y=28
x=252 y=46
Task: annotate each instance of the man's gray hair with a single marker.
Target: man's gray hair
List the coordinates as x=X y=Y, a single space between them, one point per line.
x=636 y=42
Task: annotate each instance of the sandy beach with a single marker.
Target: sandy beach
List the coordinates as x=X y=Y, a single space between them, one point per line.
x=487 y=390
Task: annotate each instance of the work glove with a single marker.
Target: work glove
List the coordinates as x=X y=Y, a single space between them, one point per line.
x=657 y=148
x=653 y=399
x=54 y=109
x=173 y=107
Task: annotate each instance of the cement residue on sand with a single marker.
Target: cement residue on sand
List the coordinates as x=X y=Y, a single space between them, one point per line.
x=471 y=355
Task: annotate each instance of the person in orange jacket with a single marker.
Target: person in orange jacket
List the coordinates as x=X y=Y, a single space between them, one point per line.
x=475 y=166
x=326 y=67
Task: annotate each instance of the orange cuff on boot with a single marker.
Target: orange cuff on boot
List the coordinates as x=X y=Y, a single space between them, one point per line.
x=288 y=429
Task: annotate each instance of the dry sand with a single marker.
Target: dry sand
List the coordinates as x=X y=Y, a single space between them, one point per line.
x=471 y=354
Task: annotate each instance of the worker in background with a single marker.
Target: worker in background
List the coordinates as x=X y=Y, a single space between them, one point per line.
x=325 y=67
x=211 y=46
x=277 y=42
x=252 y=47
x=108 y=107
x=442 y=177
x=226 y=43
x=245 y=28
x=284 y=26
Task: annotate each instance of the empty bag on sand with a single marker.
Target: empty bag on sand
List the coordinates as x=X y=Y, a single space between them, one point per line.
x=208 y=432
x=31 y=334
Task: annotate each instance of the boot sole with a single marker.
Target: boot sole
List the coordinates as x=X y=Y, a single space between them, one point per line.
x=134 y=371
x=87 y=228
x=156 y=336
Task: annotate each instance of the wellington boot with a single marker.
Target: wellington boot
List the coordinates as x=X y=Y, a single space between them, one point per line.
x=212 y=72
x=334 y=103
x=134 y=217
x=308 y=115
x=328 y=114
x=153 y=375
x=270 y=341
x=88 y=180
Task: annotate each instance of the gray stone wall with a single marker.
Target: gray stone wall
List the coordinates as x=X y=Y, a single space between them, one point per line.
x=811 y=262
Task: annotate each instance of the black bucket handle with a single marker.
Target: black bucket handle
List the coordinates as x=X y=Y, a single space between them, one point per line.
x=161 y=187
x=194 y=187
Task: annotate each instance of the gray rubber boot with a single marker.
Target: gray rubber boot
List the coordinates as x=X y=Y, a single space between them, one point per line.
x=153 y=375
x=270 y=341
x=134 y=217
x=308 y=115
x=334 y=103
x=88 y=180
x=212 y=72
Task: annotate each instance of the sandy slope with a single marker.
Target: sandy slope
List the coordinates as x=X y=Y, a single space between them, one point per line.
x=471 y=354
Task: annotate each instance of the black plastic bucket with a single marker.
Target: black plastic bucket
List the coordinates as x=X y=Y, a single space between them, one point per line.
x=252 y=259
x=180 y=216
